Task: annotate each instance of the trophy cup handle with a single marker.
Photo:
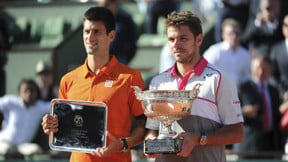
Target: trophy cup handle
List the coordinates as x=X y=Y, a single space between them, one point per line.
x=138 y=92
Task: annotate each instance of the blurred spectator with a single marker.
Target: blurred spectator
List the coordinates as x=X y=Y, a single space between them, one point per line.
x=124 y=44
x=22 y=117
x=228 y=54
x=204 y=9
x=279 y=56
x=254 y=8
x=156 y=9
x=264 y=29
x=48 y=91
x=3 y=60
x=260 y=106
x=44 y=77
x=283 y=8
x=4 y=46
x=142 y=5
x=236 y=9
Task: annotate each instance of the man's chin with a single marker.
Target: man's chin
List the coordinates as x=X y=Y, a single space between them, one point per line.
x=179 y=54
x=91 y=52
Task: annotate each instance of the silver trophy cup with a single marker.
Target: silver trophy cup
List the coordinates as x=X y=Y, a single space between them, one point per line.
x=166 y=106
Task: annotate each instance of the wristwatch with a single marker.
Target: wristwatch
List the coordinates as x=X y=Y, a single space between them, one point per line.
x=203 y=139
x=125 y=145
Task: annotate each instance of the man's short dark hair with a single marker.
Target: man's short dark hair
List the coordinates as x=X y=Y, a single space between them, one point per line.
x=185 y=18
x=33 y=84
x=101 y=14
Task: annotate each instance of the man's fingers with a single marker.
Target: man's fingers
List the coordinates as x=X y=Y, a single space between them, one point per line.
x=48 y=131
x=98 y=152
x=49 y=124
x=49 y=119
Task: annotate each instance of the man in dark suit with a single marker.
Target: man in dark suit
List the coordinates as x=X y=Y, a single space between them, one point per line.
x=124 y=44
x=264 y=29
x=279 y=57
x=258 y=136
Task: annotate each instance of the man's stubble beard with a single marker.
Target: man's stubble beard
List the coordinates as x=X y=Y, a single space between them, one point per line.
x=185 y=60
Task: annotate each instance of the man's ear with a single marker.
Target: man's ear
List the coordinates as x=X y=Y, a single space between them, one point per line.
x=111 y=35
x=199 y=40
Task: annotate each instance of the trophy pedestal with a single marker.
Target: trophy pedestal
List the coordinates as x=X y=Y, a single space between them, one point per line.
x=162 y=146
x=165 y=143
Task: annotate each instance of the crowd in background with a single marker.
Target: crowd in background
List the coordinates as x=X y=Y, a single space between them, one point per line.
x=250 y=44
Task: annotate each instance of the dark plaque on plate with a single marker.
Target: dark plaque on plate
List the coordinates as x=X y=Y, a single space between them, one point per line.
x=81 y=125
x=162 y=146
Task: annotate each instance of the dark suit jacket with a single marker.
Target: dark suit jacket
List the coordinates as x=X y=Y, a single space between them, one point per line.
x=279 y=57
x=124 y=44
x=255 y=139
x=254 y=36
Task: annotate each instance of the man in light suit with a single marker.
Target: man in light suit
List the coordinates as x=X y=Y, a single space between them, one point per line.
x=279 y=57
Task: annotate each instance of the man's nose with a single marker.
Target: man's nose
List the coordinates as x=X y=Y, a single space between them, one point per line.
x=91 y=36
x=177 y=43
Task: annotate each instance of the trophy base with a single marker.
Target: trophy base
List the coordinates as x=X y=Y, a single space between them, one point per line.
x=162 y=146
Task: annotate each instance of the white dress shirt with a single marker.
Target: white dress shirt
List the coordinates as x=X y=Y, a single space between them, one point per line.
x=21 y=123
x=236 y=63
